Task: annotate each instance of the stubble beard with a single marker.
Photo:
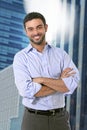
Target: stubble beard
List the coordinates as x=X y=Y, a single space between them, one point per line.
x=38 y=42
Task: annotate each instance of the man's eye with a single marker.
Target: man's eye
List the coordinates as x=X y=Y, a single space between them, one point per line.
x=40 y=27
x=30 y=29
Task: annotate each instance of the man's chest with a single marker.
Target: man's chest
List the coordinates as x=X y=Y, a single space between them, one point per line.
x=44 y=66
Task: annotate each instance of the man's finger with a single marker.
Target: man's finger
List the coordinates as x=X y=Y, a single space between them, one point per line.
x=67 y=74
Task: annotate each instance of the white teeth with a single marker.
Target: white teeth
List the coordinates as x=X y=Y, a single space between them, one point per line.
x=36 y=37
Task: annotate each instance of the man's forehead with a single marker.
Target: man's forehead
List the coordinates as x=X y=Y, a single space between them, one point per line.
x=34 y=22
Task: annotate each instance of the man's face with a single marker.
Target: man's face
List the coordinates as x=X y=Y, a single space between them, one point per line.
x=35 y=30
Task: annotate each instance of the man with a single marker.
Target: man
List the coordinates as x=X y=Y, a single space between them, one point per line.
x=44 y=74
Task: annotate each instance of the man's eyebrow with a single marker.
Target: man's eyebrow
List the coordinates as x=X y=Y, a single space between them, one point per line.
x=36 y=26
x=40 y=25
x=29 y=27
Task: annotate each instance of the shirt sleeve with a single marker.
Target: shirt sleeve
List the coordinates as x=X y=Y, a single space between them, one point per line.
x=23 y=80
x=72 y=81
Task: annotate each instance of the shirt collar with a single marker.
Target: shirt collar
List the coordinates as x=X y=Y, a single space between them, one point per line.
x=29 y=48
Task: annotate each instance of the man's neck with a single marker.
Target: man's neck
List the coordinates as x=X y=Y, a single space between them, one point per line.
x=39 y=47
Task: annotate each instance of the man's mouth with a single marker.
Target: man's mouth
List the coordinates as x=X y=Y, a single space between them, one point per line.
x=37 y=37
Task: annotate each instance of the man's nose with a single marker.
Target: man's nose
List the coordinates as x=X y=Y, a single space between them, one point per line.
x=35 y=31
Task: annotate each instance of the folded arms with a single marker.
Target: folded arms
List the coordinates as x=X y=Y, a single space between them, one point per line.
x=50 y=85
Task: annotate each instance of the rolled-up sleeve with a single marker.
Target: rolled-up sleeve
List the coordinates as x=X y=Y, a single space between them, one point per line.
x=72 y=81
x=23 y=80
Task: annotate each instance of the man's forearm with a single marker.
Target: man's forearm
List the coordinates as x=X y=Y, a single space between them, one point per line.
x=51 y=85
x=55 y=84
x=44 y=91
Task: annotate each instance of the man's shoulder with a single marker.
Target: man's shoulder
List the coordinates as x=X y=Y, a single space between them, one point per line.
x=55 y=48
x=21 y=54
x=58 y=51
x=23 y=51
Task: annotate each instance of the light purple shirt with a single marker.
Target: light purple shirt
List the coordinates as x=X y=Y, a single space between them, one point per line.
x=29 y=63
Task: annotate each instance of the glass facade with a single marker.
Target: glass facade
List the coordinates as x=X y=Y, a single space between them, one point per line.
x=13 y=39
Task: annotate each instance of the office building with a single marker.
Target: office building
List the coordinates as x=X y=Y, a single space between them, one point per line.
x=12 y=37
x=11 y=109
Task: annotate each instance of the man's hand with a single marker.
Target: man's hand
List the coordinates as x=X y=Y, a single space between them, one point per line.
x=67 y=73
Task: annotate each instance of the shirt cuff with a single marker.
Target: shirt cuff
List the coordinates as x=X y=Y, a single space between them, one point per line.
x=70 y=84
x=36 y=88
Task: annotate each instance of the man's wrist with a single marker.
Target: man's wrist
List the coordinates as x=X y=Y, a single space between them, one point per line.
x=43 y=79
x=38 y=80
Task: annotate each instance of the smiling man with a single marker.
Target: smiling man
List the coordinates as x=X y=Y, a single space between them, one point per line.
x=44 y=74
x=36 y=33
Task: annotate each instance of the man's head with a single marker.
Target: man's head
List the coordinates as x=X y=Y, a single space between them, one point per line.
x=34 y=15
x=35 y=27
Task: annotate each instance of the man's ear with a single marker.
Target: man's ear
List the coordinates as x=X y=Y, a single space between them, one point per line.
x=46 y=27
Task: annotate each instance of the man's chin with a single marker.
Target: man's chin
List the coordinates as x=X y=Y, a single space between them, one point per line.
x=37 y=43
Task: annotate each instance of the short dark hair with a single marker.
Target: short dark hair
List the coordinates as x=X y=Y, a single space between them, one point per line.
x=34 y=15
